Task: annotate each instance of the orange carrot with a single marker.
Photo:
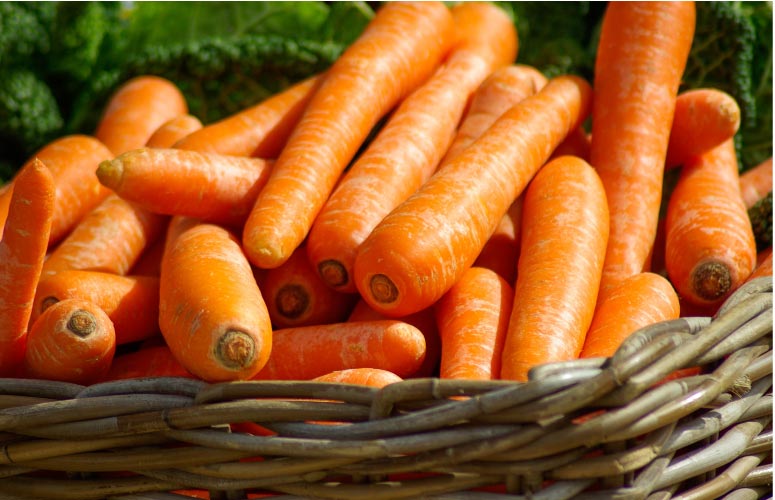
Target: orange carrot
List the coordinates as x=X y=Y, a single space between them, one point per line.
x=564 y=235
x=398 y=50
x=756 y=182
x=372 y=377
x=173 y=130
x=213 y=187
x=418 y=251
x=134 y=112
x=131 y=302
x=577 y=144
x=703 y=119
x=22 y=250
x=641 y=55
x=72 y=341
x=473 y=317
x=710 y=247
x=156 y=361
x=306 y=352
x=764 y=265
x=501 y=251
x=260 y=130
x=638 y=301
x=211 y=312
x=149 y=262
x=408 y=148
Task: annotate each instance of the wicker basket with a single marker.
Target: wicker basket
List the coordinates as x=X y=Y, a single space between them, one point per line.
x=597 y=428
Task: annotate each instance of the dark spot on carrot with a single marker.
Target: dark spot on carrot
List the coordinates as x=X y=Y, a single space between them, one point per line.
x=82 y=323
x=235 y=349
x=383 y=289
x=333 y=273
x=711 y=280
x=48 y=302
x=292 y=300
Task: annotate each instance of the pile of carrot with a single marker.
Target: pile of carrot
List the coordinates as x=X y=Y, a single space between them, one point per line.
x=427 y=206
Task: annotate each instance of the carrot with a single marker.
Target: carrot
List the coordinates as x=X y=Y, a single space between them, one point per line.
x=306 y=352
x=136 y=110
x=372 y=377
x=577 y=143
x=409 y=147
x=260 y=130
x=641 y=56
x=131 y=302
x=418 y=251
x=638 y=301
x=22 y=250
x=473 y=317
x=149 y=261
x=211 y=312
x=564 y=235
x=216 y=188
x=156 y=361
x=703 y=119
x=398 y=50
x=764 y=265
x=501 y=251
x=173 y=130
x=756 y=182
x=72 y=341
x=710 y=247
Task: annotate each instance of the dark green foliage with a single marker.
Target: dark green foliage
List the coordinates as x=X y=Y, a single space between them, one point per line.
x=761 y=220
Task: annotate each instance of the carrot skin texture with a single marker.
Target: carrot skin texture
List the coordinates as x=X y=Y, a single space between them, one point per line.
x=764 y=266
x=398 y=50
x=156 y=361
x=22 y=250
x=645 y=43
x=419 y=250
x=501 y=252
x=756 y=182
x=564 y=236
x=173 y=130
x=371 y=377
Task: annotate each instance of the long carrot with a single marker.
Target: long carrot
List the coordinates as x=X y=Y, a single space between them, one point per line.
x=22 y=250
x=173 y=130
x=764 y=265
x=72 y=341
x=473 y=317
x=710 y=247
x=260 y=130
x=149 y=261
x=398 y=50
x=211 y=312
x=641 y=56
x=756 y=182
x=409 y=147
x=501 y=251
x=371 y=377
x=638 y=301
x=564 y=235
x=136 y=110
x=156 y=361
x=418 y=251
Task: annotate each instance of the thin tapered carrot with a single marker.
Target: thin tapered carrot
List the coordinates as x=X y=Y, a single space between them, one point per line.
x=131 y=302
x=72 y=341
x=173 y=130
x=703 y=119
x=22 y=250
x=211 y=311
x=371 y=377
x=710 y=247
x=473 y=317
x=306 y=352
x=209 y=186
x=756 y=182
x=638 y=301
x=641 y=56
x=763 y=266
x=136 y=110
x=418 y=251
x=501 y=252
x=260 y=130
x=564 y=234
x=155 y=361
x=399 y=49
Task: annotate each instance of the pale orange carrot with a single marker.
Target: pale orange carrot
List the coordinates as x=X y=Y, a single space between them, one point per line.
x=371 y=377
x=173 y=130
x=501 y=252
x=756 y=182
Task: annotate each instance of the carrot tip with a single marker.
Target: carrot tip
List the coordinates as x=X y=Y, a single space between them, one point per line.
x=383 y=289
x=711 y=280
x=110 y=173
x=82 y=323
x=292 y=300
x=235 y=349
x=333 y=273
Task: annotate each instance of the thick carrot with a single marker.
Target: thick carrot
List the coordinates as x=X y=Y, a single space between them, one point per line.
x=756 y=182
x=501 y=251
x=372 y=377
x=399 y=49
x=638 y=301
x=260 y=130
x=72 y=341
x=564 y=235
x=155 y=361
x=418 y=251
x=131 y=302
x=306 y=352
x=473 y=317
x=211 y=312
x=703 y=119
x=409 y=147
x=173 y=130
x=22 y=250
x=213 y=187
x=641 y=56
x=136 y=110
x=710 y=247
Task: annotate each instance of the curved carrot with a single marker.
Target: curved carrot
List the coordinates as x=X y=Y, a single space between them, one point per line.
x=260 y=130
x=641 y=55
x=72 y=341
x=501 y=251
x=756 y=182
x=211 y=312
x=372 y=377
x=564 y=236
x=22 y=250
x=473 y=317
x=710 y=247
x=638 y=301
x=134 y=112
x=410 y=145
x=418 y=251
x=398 y=50
x=173 y=130
x=156 y=361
